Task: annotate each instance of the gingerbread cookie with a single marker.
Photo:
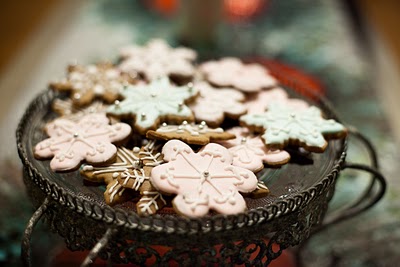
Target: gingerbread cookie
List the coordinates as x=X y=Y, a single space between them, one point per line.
x=202 y=181
x=67 y=110
x=261 y=191
x=196 y=134
x=149 y=104
x=214 y=104
x=117 y=194
x=283 y=125
x=258 y=102
x=138 y=179
x=108 y=174
x=89 y=139
x=157 y=59
x=126 y=161
x=249 y=151
x=87 y=82
x=248 y=78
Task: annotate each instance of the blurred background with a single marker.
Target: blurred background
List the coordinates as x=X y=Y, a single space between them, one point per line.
x=351 y=49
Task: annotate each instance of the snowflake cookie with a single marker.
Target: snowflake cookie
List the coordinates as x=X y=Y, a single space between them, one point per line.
x=196 y=134
x=250 y=152
x=213 y=104
x=283 y=125
x=89 y=139
x=248 y=78
x=138 y=179
x=129 y=174
x=67 y=110
x=157 y=59
x=258 y=102
x=151 y=103
x=202 y=181
x=87 y=82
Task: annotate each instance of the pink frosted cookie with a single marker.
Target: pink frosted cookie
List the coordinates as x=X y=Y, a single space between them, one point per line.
x=202 y=181
x=258 y=103
x=89 y=139
x=157 y=59
x=87 y=82
x=249 y=151
x=228 y=71
x=214 y=104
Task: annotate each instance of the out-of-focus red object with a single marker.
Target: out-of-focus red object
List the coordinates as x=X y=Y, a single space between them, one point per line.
x=238 y=10
x=234 y=10
x=165 y=7
x=68 y=258
x=295 y=78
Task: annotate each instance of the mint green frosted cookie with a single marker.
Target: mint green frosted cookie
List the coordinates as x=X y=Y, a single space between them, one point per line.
x=151 y=104
x=283 y=125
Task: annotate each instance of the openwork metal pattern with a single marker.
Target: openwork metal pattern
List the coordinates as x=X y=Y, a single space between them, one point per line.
x=253 y=238
x=263 y=242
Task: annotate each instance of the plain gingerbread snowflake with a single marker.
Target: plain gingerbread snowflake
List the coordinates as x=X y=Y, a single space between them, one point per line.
x=89 y=139
x=283 y=125
x=152 y=103
x=157 y=59
x=202 y=181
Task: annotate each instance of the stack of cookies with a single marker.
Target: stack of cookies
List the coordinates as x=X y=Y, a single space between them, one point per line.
x=160 y=130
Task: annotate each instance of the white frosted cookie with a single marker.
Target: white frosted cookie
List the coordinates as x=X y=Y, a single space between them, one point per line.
x=157 y=59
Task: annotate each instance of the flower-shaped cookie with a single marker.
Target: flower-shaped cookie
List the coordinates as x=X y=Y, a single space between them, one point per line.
x=249 y=151
x=284 y=125
x=88 y=139
x=202 y=181
x=151 y=103
x=248 y=78
x=214 y=104
x=197 y=134
x=157 y=59
x=257 y=103
x=87 y=82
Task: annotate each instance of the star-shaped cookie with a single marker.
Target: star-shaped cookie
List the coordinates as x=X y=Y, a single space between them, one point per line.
x=191 y=133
